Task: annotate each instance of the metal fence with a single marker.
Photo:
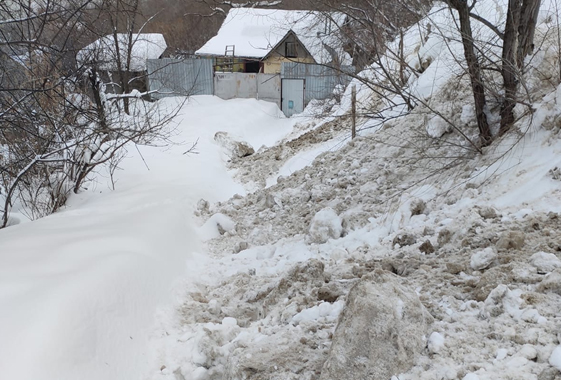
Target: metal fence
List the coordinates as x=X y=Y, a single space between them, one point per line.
x=195 y=76
x=248 y=85
x=320 y=81
x=172 y=77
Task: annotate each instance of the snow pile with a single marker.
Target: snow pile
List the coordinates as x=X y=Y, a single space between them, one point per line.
x=79 y=289
x=483 y=259
x=435 y=343
x=545 y=262
x=460 y=231
x=380 y=332
x=555 y=358
x=215 y=226
x=437 y=127
x=342 y=247
x=233 y=148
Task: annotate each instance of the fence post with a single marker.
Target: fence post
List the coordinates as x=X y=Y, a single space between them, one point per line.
x=353 y=111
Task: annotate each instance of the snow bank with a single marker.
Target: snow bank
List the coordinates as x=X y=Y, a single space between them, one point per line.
x=79 y=289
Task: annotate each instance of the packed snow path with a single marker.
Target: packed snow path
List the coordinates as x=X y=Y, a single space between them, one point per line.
x=79 y=289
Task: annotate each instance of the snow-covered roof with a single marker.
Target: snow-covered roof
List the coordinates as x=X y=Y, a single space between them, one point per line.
x=102 y=52
x=255 y=32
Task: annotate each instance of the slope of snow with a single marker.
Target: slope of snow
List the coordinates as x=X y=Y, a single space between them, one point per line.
x=79 y=289
x=475 y=235
x=465 y=230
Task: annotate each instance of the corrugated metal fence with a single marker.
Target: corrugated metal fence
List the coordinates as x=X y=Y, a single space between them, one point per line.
x=172 y=77
x=194 y=76
x=320 y=81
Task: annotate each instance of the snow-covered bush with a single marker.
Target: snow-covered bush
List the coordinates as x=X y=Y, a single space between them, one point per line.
x=58 y=123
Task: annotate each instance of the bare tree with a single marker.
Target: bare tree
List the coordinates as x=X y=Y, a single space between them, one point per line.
x=57 y=122
x=371 y=27
x=474 y=69
x=518 y=41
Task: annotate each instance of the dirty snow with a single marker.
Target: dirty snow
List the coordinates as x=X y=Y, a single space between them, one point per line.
x=462 y=229
x=475 y=237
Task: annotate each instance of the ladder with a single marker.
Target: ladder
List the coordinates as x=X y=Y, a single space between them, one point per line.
x=229 y=54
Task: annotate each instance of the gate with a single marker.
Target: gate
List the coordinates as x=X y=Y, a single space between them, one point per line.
x=292 y=96
x=248 y=85
x=319 y=81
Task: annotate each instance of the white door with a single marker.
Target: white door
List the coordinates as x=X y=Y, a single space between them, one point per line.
x=292 y=96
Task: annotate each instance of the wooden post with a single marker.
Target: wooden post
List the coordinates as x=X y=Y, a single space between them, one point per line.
x=353 y=111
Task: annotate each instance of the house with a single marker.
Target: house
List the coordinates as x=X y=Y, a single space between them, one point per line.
x=254 y=40
x=105 y=53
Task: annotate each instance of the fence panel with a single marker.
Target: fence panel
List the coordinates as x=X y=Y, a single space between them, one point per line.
x=247 y=85
x=225 y=85
x=235 y=85
x=320 y=81
x=269 y=88
x=172 y=77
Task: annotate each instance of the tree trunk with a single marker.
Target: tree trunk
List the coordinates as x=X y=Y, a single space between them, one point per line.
x=518 y=42
x=527 y=28
x=509 y=69
x=474 y=70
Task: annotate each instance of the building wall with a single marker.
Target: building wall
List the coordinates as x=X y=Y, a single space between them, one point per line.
x=273 y=63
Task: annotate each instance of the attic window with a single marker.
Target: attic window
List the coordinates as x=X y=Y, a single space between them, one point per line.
x=291 y=50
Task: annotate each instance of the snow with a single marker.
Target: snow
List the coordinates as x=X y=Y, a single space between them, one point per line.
x=482 y=259
x=255 y=32
x=435 y=343
x=103 y=52
x=300 y=161
x=555 y=358
x=215 y=226
x=545 y=262
x=471 y=376
x=325 y=225
x=79 y=289
x=325 y=310
x=151 y=282
x=437 y=127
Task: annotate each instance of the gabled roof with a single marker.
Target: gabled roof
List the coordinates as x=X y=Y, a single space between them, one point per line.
x=290 y=33
x=255 y=33
x=103 y=52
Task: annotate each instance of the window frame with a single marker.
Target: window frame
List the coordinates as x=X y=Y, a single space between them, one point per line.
x=291 y=49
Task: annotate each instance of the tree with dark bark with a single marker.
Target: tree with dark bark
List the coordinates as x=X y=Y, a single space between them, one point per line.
x=474 y=69
x=57 y=122
x=518 y=41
